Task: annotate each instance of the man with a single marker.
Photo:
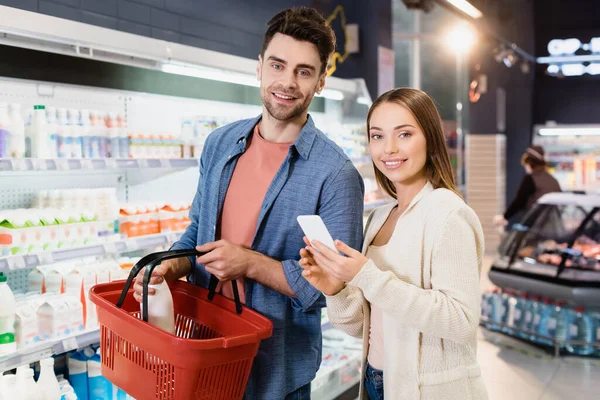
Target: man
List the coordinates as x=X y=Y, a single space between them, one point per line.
x=256 y=177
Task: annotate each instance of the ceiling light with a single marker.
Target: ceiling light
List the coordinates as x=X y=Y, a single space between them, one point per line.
x=573 y=69
x=466 y=7
x=461 y=38
x=569 y=131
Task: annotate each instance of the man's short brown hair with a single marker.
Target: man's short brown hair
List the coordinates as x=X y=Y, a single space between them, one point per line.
x=304 y=24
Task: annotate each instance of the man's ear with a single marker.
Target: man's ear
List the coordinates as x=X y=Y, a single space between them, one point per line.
x=259 y=68
x=321 y=83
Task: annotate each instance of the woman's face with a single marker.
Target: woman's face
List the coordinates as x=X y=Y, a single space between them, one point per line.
x=398 y=146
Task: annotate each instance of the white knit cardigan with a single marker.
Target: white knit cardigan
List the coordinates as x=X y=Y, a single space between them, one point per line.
x=430 y=297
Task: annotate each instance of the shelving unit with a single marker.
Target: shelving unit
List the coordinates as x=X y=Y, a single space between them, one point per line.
x=556 y=345
x=30 y=354
x=27 y=261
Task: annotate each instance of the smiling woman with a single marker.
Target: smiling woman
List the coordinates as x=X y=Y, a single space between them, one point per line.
x=415 y=286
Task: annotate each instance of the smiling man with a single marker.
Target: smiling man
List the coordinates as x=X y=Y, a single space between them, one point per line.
x=256 y=177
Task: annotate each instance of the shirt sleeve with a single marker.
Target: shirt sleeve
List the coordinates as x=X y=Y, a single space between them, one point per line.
x=341 y=207
x=519 y=203
x=189 y=238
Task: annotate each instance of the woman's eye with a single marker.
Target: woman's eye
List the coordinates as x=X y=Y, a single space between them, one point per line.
x=404 y=135
x=375 y=136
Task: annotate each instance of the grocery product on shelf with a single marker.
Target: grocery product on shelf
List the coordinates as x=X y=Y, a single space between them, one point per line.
x=544 y=322
x=25 y=231
x=5 y=131
x=26 y=386
x=17 y=140
x=47 y=382
x=139 y=219
x=581 y=329
x=63 y=147
x=8 y=343
x=38 y=143
x=52 y=127
x=76 y=139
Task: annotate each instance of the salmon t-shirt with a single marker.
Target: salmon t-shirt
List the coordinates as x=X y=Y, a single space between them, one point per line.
x=249 y=183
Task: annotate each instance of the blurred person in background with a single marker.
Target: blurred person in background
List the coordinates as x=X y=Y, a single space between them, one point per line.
x=536 y=183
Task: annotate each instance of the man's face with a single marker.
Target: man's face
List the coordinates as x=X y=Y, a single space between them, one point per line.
x=289 y=74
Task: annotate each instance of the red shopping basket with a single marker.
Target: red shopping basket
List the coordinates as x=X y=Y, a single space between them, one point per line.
x=209 y=356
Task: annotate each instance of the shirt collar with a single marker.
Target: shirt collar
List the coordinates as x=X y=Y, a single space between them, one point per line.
x=303 y=143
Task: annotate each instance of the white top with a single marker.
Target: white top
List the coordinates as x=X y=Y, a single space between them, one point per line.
x=430 y=297
x=376 y=350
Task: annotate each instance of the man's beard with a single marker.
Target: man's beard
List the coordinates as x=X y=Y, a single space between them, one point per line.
x=280 y=112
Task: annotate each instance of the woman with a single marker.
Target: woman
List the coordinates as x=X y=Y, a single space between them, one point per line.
x=416 y=288
x=536 y=183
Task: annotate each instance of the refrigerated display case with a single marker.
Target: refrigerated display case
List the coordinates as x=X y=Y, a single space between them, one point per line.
x=572 y=154
x=554 y=251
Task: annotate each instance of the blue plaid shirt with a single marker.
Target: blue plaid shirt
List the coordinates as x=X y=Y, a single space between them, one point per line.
x=316 y=177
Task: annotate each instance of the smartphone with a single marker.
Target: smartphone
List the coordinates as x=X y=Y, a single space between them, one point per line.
x=314 y=228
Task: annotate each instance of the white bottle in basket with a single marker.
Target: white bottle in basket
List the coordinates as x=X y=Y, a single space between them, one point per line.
x=160 y=308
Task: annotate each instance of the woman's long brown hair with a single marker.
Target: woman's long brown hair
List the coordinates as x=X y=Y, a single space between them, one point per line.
x=437 y=165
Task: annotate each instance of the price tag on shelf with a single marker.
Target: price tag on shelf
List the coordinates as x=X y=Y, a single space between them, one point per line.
x=32 y=261
x=46 y=258
x=86 y=163
x=111 y=163
x=127 y=163
x=70 y=344
x=6 y=165
x=110 y=248
x=62 y=164
x=120 y=247
x=4 y=264
x=51 y=165
x=99 y=164
x=74 y=164
x=16 y=263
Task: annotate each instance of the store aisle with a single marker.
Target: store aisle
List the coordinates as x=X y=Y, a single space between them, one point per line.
x=516 y=370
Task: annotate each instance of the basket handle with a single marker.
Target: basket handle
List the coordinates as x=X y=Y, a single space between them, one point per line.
x=151 y=261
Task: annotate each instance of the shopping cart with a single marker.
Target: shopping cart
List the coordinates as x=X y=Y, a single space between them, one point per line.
x=208 y=357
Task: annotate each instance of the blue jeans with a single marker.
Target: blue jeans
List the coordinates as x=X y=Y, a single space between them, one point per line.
x=300 y=394
x=374 y=382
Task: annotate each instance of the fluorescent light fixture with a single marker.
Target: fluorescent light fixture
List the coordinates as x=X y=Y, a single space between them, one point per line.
x=466 y=7
x=332 y=94
x=231 y=77
x=563 y=46
x=569 y=131
x=364 y=101
x=553 y=69
x=461 y=38
x=573 y=69
x=593 y=69
x=595 y=45
x=568 y=59
x=211 y=73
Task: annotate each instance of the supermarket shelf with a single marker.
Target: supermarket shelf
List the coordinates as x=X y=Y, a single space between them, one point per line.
x=63 y=164
x=30 y=354
x=332 y=383
x=120 y=246
x=555 y=345
x=587 y=296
